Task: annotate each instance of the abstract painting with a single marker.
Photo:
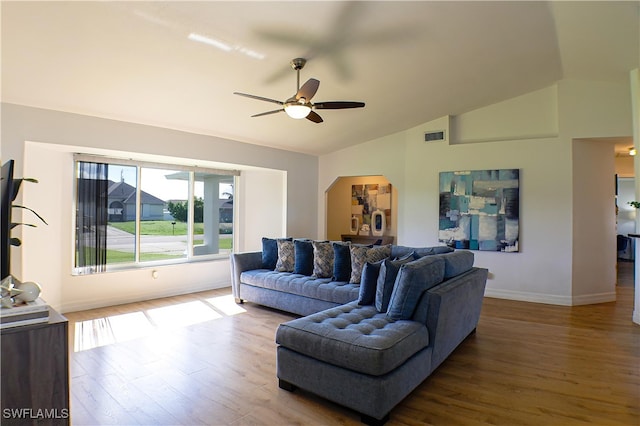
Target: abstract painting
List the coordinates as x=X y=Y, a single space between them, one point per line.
x=365 y=199
x=480 y=209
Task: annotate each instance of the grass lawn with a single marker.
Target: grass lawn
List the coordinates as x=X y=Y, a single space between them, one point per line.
x=157 y=227
x=225 y=244
x=115 y=256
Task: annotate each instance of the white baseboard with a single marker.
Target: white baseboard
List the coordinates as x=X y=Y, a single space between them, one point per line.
x=551 y=299
x=84 y=305
x=591 y=299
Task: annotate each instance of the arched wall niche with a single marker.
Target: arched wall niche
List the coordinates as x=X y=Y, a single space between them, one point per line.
x=339 y=204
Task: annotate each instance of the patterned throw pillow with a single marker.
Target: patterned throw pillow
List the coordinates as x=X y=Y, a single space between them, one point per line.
x=377 y=253
x=286 y=255
x=358 y=259
x=322 y=259
x=363 y=254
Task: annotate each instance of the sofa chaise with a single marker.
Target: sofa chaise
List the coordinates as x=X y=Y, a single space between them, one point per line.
x=409 y=311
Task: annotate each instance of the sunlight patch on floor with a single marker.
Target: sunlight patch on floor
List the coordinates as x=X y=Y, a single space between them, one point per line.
x=181 y=315
x=226 y=304
x=98 y=332
x=105 y=331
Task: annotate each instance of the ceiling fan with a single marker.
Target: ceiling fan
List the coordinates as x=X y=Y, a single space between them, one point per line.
x=300 y=105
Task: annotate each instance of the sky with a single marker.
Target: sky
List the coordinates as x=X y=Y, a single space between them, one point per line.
x=155 y=183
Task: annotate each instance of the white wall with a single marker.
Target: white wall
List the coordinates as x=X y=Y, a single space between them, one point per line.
x=591 y=110
x=594 y=222
x=265 y=191
x=383 y=156
x=42 y=142
x=529 y=132
x=536 y=117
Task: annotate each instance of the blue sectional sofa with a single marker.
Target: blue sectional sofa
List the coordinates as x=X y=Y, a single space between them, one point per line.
x=367 y=345
x=254 y=279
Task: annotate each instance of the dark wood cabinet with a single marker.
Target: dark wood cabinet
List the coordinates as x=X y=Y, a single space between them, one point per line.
x=368 y=239
x=35 y=373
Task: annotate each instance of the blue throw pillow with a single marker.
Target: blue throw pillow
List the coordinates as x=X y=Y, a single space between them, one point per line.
x=399 y=251
x=409 y=256
x=303 y=253
x=413 y=279
x=368 y=283
x=456 y=263
x=269 y=253
x=386 y=279
x=341 y=261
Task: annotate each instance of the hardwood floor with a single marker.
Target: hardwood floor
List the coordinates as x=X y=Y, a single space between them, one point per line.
x=200 y=359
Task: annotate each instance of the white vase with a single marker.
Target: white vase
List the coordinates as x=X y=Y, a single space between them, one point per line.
x=355 y=225
x=378 y=223
x=29 y=291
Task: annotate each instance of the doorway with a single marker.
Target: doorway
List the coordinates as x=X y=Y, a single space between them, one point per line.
x=626 y=214
x=341 y=206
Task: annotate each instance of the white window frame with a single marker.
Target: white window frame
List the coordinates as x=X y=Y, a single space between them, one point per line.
x=192 y=170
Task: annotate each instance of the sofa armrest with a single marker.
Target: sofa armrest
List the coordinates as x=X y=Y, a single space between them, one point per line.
x=241 y=262
x=454 y=311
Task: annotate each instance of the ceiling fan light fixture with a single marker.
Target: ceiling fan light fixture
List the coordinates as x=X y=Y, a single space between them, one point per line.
x=299 y=105
x=297 y=111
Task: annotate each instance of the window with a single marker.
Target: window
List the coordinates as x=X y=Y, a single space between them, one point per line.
x=131 y=214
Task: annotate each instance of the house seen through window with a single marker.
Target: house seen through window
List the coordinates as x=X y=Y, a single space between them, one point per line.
x=132 y=214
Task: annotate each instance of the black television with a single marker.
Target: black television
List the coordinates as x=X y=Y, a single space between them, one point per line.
x=8 y=193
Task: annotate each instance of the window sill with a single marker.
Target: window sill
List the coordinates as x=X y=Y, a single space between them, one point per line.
x=153 y=264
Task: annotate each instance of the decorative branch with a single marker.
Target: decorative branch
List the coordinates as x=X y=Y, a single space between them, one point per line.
x=13 y=240
x=32 y=211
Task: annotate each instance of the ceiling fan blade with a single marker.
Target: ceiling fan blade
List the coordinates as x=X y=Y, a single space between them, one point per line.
x=308 y=89
x=268 y=112
x=338 y=105
x=277 y=35
x=313 y=116
x=260 y=98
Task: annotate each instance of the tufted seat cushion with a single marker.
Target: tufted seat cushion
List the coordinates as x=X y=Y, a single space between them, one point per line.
x=302 y=285
x=354 y=337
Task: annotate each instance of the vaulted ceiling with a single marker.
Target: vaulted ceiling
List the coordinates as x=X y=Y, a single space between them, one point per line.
x=410 y=62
